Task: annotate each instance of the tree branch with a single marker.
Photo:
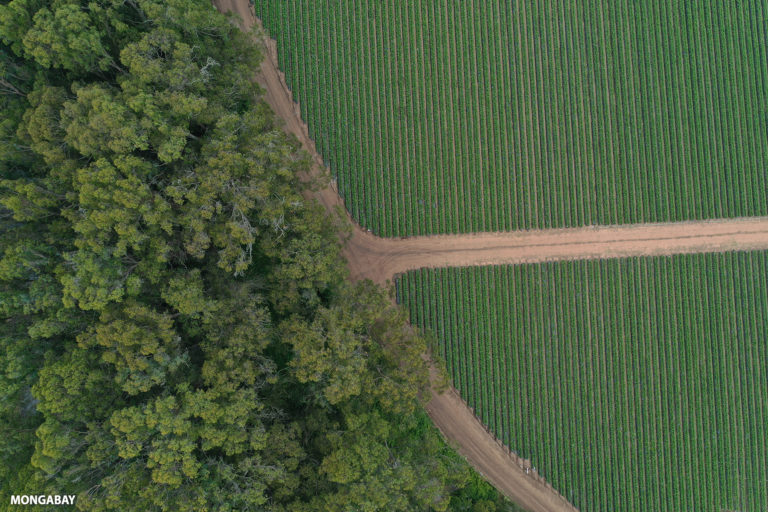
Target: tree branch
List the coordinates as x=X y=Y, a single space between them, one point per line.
x=9 y=88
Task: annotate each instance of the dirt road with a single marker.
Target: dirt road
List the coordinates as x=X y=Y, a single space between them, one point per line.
x=380 y=259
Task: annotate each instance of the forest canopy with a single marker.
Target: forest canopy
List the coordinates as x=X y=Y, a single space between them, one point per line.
x=177 y=330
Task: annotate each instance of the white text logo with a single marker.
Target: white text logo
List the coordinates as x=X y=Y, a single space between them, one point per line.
x=42 y=499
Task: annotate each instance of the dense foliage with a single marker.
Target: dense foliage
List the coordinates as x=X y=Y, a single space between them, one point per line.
x=498 y=115
x=631 y=384
x=176 y=331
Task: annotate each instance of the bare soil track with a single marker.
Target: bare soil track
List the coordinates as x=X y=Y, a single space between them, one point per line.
x=381 y=259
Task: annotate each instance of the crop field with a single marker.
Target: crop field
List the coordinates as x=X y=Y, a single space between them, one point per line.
x=632 y=384
x=447 y=116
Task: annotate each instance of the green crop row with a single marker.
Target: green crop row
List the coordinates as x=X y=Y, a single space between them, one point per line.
x=439 y=116
x=631 y=384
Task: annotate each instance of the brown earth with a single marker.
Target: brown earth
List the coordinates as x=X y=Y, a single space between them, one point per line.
x=380 y=259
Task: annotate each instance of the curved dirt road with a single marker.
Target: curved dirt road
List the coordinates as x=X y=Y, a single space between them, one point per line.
x=381 y=259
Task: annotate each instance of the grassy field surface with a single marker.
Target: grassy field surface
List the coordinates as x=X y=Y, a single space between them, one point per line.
x=464 y=116
x=631 y=384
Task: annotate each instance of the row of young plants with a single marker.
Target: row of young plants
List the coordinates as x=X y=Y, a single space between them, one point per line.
x=481 y=116
x=631 y=384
